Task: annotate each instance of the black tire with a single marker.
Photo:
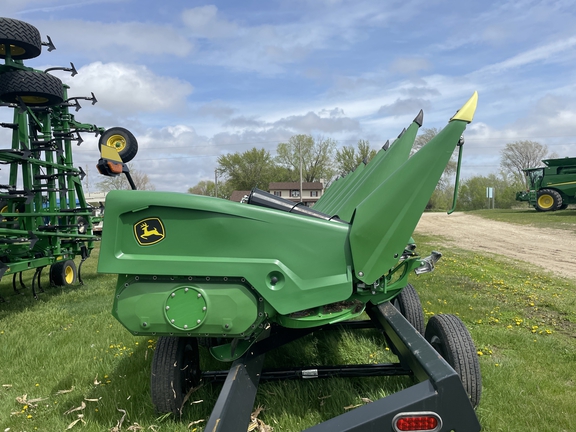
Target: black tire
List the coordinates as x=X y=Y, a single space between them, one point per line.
x=548 y=200
x=175 y=370
x=63 y=273
x=122 y=140
x=82 y=225
x=34 y=88
x=564 y=206
x=451 y=339
x=409 y=305
x=23 y=39
x=10 y=222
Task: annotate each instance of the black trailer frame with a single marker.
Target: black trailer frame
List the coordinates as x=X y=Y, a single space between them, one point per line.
x=438 y=390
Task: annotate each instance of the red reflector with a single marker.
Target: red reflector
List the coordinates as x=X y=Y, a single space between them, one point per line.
x=116 y=168
x=417 y=423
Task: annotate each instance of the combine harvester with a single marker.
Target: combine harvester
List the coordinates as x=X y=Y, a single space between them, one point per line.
x=552 y=187
x=45 y=218
x=245 y=278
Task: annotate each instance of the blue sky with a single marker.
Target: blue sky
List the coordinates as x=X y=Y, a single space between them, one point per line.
x=196 y=79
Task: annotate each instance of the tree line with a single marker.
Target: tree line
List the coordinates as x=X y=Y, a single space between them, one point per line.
x=319 y=159
x=322 y=160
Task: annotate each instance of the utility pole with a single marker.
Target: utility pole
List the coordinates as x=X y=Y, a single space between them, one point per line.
x=300 y=152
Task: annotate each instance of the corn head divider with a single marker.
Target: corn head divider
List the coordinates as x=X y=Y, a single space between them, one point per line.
x=244 y=278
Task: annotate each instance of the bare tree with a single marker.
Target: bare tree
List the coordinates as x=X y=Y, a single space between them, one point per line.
x=316 y=153
x=140 y=179
x=348 y=158
x=425 y=135
x=521 y=155
x=421 y=140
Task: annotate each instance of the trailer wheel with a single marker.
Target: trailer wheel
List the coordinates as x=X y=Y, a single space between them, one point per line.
x=175 y=370
x=451 y=339
x=34 y=88
x=548 y=200
x=63 y=273
x=21 y=39
x=409 y=305
x=122 y=140
x=10 y=222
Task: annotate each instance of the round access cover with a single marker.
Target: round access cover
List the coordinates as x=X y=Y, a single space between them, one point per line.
x=186 y=308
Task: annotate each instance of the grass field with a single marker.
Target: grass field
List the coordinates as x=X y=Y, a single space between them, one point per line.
x=66 y=363
x=563 y=219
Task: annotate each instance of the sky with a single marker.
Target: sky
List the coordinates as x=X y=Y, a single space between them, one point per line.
x=193 y=80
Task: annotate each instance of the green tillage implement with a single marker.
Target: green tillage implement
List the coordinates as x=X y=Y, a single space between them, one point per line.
x=45 y=220
x=244 y=278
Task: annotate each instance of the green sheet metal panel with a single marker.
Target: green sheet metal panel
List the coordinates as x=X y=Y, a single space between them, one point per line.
x=385 y=220
x=295 y=262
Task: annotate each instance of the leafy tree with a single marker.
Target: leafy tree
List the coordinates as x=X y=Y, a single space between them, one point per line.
x=204 y=187
x=472 y=194
x=139 y=178
x=244 y=171
x=348 y=157
x=520 y=155
x=317 y=156
x=208 y=188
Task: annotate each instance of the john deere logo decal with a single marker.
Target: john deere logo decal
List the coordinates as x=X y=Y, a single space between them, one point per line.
x=149 y=231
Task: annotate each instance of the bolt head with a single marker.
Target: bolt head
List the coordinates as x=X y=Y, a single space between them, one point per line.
x=198 y=321
x=167 y=307
x=360 y=273
x=173 y=295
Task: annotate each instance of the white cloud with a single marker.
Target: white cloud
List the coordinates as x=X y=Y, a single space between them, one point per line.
x=409 y=65
x=117 y=40
x=204 y=23
x=129 y=89
x=538 y=54
x=404 y=106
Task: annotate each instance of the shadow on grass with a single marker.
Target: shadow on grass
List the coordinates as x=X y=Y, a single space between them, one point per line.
x=21 y=298
x=288 y=403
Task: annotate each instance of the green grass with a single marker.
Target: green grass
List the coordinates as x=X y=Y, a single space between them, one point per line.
x=66 y=351
x=562 y=219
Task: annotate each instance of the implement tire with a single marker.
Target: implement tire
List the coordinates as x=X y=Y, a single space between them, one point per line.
x=409 y=305
x=122 y=141
x=23 y=39
x=548 y=200
x=175 y=371
x=34 y=88
x=451 y=339
x=63 y=273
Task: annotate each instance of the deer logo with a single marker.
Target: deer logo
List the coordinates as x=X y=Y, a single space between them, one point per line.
x=149 y=231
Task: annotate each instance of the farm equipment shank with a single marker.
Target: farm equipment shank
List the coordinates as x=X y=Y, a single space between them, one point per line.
x=438 y=388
